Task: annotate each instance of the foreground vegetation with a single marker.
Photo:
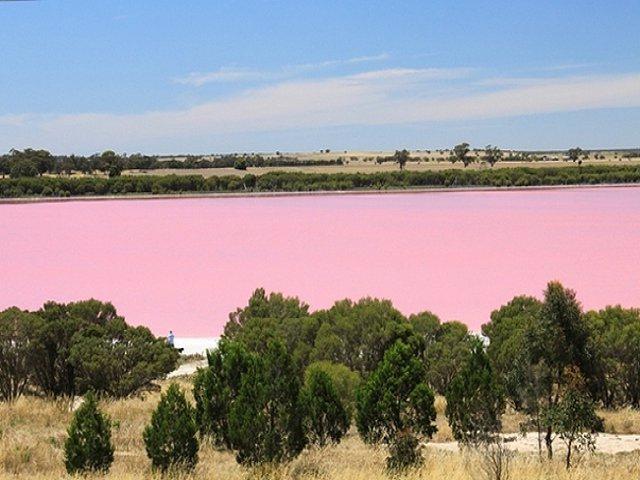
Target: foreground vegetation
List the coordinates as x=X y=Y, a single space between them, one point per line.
x=34 y=432
x=282 y=389
x=45 y=186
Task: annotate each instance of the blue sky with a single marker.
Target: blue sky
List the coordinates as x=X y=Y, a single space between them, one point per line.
x=217 y=76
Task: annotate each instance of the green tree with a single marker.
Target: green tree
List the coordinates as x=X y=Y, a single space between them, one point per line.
x=446 y=348
x=266 y=418
x=461 y=154
x=87 y=346
x=574 y=153
x=401 y=157
x=240 y=164
x=216 y=387
x=23 y=168
x=117 y=360
x=357 y=334
x=171 y=437
x=574 y=417
x=88 y=447
x=18 y=351
x=615 y=340
x=396 y=406
x=261 y=305
x=475 y=401
x=326 y=419
x=556 y=342
x=345 y=381
x=507 y=333
x=274 y=318
x=492 y=155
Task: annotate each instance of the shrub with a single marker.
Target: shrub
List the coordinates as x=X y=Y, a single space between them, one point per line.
x=326 y=419
x=216 y=387
x=87 y=346
x=475 y=401
x=116 y=359
x=396 y=402
x=265 y=420
x=240 y=164
x=404 y=452
x=17 y=351
x=345 y=381
x=170 y=438
x=88 y=446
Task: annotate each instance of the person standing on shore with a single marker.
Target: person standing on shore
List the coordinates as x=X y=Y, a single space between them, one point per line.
x=171 y=338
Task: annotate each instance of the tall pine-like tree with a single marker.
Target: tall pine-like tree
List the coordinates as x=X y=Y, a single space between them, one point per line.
x=88 y=447
x=326 y=419
x=170 y=438
x=266 y=418
x=475 y=401
x=396 y=406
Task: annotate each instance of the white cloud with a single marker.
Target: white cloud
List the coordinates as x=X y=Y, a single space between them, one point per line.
x=235 y=74
x=382 y=97
x=226 y=74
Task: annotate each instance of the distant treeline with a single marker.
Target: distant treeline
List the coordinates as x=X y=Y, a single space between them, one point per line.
x=304 y=182
x=31 y=163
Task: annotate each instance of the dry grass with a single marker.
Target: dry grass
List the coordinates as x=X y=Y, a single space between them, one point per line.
x=361 y=166
x=33 y=433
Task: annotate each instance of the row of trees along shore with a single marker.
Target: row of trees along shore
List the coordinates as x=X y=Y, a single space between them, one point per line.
x=31 y=162
x=47 y=186
x=284 y=378
x=39 y=173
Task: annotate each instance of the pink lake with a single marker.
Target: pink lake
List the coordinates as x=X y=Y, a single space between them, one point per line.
x=184 y=264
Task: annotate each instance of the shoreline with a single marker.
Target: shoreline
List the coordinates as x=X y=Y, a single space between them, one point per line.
x=318 y=193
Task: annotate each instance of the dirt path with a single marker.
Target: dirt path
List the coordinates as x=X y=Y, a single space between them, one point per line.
x=187 y=369
x=605 y=443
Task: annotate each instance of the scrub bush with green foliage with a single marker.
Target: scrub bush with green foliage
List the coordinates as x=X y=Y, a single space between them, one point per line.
x=395 y=404
x=266 y=417
x=171 y=437
x=88 y=447
x=216 y=387
x=326 y=420
x=475 y=401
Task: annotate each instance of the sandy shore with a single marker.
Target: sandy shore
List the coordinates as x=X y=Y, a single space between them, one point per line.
x=605 y=443
x=319 y=193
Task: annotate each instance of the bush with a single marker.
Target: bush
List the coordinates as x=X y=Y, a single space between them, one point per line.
x=116 y=359
x=170 y=438
x=240 y=164
x=475 y=401
x=86 y=346
x=345 y=381
x=404 y=452
x=23 y=168
x=326 y=419
x=265 y=420
x=17 y=351
x=396 y=402
x=20 y=182
x=216 y=387
x=88 y=446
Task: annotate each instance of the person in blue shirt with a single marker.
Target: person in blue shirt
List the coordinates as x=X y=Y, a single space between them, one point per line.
x=171 y=338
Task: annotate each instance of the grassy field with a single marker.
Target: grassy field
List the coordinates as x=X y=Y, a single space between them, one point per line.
x=33 y=431
x=362 y=166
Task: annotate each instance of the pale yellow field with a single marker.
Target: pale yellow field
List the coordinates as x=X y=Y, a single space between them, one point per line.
x=33 y=433
x=360 y=166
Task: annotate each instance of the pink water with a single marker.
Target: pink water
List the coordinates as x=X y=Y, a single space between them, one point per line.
x=185 y=264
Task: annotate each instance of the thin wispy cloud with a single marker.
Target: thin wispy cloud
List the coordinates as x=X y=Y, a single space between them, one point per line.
x=377 y=97
x=236 y=74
